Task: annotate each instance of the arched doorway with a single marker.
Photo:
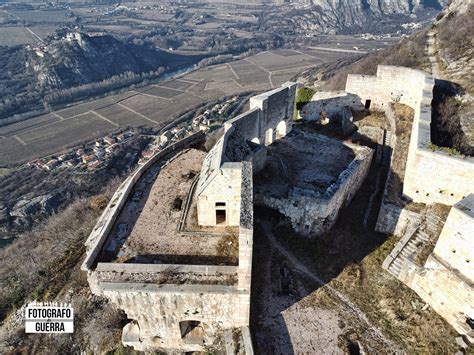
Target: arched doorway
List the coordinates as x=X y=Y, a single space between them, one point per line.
x=269 y=136
x=281 y=130
x=192 y=332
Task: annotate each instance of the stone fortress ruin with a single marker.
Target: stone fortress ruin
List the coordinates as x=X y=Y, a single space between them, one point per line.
x=173 y=248
x=445 y=277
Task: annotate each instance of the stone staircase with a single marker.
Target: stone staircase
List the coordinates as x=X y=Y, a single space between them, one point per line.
x=405 y=248
x=387 y=149
x=416 y=237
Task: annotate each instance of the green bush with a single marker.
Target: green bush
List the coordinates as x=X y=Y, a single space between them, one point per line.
x=303 y=96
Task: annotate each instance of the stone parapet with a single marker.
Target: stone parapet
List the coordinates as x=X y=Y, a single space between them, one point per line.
x=99 y=234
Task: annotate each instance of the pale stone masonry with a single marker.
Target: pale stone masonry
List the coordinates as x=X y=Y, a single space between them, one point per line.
x=183 y=298
x=218 y=189
x=430 y=176
x=446 y=281
x=176 y=307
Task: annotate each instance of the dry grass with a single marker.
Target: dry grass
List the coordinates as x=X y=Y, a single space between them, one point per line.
x=349 y=257
x=373 y=119
x=44 y=265
x=394 y=307
x=403 y=121
x=228 y=246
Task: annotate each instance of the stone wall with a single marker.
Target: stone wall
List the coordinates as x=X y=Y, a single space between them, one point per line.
x=276 y=112
x=99 y=234
x=311 y=212
x=431 y=176
x=330 y=102
x=159 y=309
x=391 y=84
x=225 y=188
x=456 y=241
x=394 y=219
x=446 y=280
x=156 y=303
x=219 y=184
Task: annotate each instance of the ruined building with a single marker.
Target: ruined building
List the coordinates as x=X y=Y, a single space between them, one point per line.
x=445 y=280
x=173 y=249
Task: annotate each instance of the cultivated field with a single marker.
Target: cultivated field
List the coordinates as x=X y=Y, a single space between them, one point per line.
x=152 y=105
x=13 y=36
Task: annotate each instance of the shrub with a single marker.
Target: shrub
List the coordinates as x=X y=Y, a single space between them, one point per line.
x=303 y=96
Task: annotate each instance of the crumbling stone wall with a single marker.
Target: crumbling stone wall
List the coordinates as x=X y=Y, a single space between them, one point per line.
x=446 y=281
x=220 y=180
x=311 y=212
x=430 y=176
x=274 y=106
x=330 y=102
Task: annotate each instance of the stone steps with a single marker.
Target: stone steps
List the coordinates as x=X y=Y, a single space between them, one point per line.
x=416 y=242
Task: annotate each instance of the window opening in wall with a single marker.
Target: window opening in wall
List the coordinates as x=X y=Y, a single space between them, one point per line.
x=192 y=332
x=470 y=323
x=367 y=104
x=220 y=217
x=220 y=204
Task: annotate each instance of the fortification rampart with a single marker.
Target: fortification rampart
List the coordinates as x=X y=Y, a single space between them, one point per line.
x=160 y=298
x=430 y=176
x=446 y=281
x=164 y=300
x=99 y=234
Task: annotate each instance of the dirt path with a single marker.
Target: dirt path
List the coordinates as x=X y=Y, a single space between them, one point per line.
x=345 y=302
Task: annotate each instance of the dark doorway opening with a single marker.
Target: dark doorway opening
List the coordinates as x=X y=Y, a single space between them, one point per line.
x=192 y=332
x=367 y=104
x=220 y=217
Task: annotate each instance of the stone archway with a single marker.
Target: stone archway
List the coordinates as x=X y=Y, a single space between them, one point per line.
x=281 y=130
x=269 y=136
x=192 y=332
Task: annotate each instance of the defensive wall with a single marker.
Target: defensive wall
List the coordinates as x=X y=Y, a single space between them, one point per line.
x=245 y=137
x=446 y=281
x=103 y=227
x=430 y=176
x=174 y=306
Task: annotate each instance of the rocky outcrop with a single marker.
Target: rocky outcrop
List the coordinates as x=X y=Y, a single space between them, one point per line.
x=349 y=16
x=80 y=59
x=25 y=209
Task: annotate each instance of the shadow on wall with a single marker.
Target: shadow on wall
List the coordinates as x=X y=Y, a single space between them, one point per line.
x=277 y=284
x=446 y=130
